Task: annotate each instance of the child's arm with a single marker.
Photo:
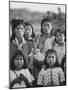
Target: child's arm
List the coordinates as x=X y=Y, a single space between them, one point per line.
x=22 y=77
x=40 y=79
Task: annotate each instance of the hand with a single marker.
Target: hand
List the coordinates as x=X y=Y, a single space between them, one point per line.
x=21 y=77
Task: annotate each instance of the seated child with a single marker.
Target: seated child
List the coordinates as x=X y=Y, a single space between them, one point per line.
x=59 y=45
x=52 y=75
x=19 y=73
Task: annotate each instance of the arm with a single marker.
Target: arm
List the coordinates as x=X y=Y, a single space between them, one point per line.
x=61 y=77
x=22 y=77
x=40 y=79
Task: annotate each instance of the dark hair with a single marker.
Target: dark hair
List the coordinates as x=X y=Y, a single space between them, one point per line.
x=58 y=30
x=51 y=51
x=14 y=24
x=44 y=20
x=18 y=52
x=29 y=24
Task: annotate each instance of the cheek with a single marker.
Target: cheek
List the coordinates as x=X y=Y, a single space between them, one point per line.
x=15 y=63
x=47 y=60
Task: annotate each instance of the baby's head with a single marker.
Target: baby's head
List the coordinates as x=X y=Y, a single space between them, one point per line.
x=18 y=61
x=51 y=57
x=59 y=36
x=29 y=30
x=46 y=26
x=17 y=28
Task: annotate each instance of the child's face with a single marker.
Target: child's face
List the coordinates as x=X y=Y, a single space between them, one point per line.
x=19 y=30
x=47 y=26
x=18 y=62
x=51 y=59
x=60 y=37
x=28 y=31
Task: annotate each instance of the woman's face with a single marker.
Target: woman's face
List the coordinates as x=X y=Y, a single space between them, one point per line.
x=60 y=37
x=51 y=59
x=19 y=30
x=28 y=31
x=19 y=62
x=46 y=27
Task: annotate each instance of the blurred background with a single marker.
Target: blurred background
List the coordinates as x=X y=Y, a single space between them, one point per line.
x=34 y=13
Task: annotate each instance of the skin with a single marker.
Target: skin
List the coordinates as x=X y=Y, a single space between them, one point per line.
x=51 y=59
x=19 y=31
x=19 y=62
x=28 y=31
x=60 y=38
x=47 y=26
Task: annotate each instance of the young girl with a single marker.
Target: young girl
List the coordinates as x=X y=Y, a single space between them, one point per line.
x=53 y=74
x=18 y=41
x=29 y=32
x=59 y=45
x=19 y=73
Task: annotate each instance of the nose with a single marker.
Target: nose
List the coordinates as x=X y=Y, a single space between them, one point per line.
x=51 y=59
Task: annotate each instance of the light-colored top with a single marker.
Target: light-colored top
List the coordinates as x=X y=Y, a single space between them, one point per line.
x=48 y=44
x=60 y=52
x=51 y=77
x=25 y=72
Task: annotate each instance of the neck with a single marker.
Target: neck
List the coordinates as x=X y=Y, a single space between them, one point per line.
x=46 y=34
x=60 y=44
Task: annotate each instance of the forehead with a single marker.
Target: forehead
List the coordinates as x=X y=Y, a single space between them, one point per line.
x=19 y=56
x=28 y=26
x=46 y=22
x=59 y=33
x=20 y=25
x=51 y=54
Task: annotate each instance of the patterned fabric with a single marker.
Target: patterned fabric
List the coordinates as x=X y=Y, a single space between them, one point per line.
x=51 y=77
x=60 y=52
x=25 y=48
x=25 y=72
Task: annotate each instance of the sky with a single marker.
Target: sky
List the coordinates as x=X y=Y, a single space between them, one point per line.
x=37 y=7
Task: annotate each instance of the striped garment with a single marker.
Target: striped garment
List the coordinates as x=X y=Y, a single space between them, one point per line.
x=51 y=77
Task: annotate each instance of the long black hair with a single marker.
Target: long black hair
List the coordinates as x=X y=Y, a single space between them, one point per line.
x=51 y=51
x=12 y=66
x=14 y=24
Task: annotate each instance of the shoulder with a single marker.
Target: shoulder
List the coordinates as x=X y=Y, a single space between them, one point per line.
x=59 y=69
x=12 y=76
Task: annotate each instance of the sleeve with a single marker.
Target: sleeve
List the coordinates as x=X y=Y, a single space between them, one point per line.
x=61 y=75
x=12 y=76
x=29 y=76
x=40 y=78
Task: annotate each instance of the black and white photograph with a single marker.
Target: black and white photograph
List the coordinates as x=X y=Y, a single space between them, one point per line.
x=37 y=44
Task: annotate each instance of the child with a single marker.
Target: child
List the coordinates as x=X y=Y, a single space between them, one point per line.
x=18 y=41
x=53 y=74
x=59 y=45
x=45 y=38
x=29 y=32
x=19 y=73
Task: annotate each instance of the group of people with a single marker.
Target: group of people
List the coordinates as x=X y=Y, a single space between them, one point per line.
x=36 y=60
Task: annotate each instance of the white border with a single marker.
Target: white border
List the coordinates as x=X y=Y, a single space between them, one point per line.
x=4 y=42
